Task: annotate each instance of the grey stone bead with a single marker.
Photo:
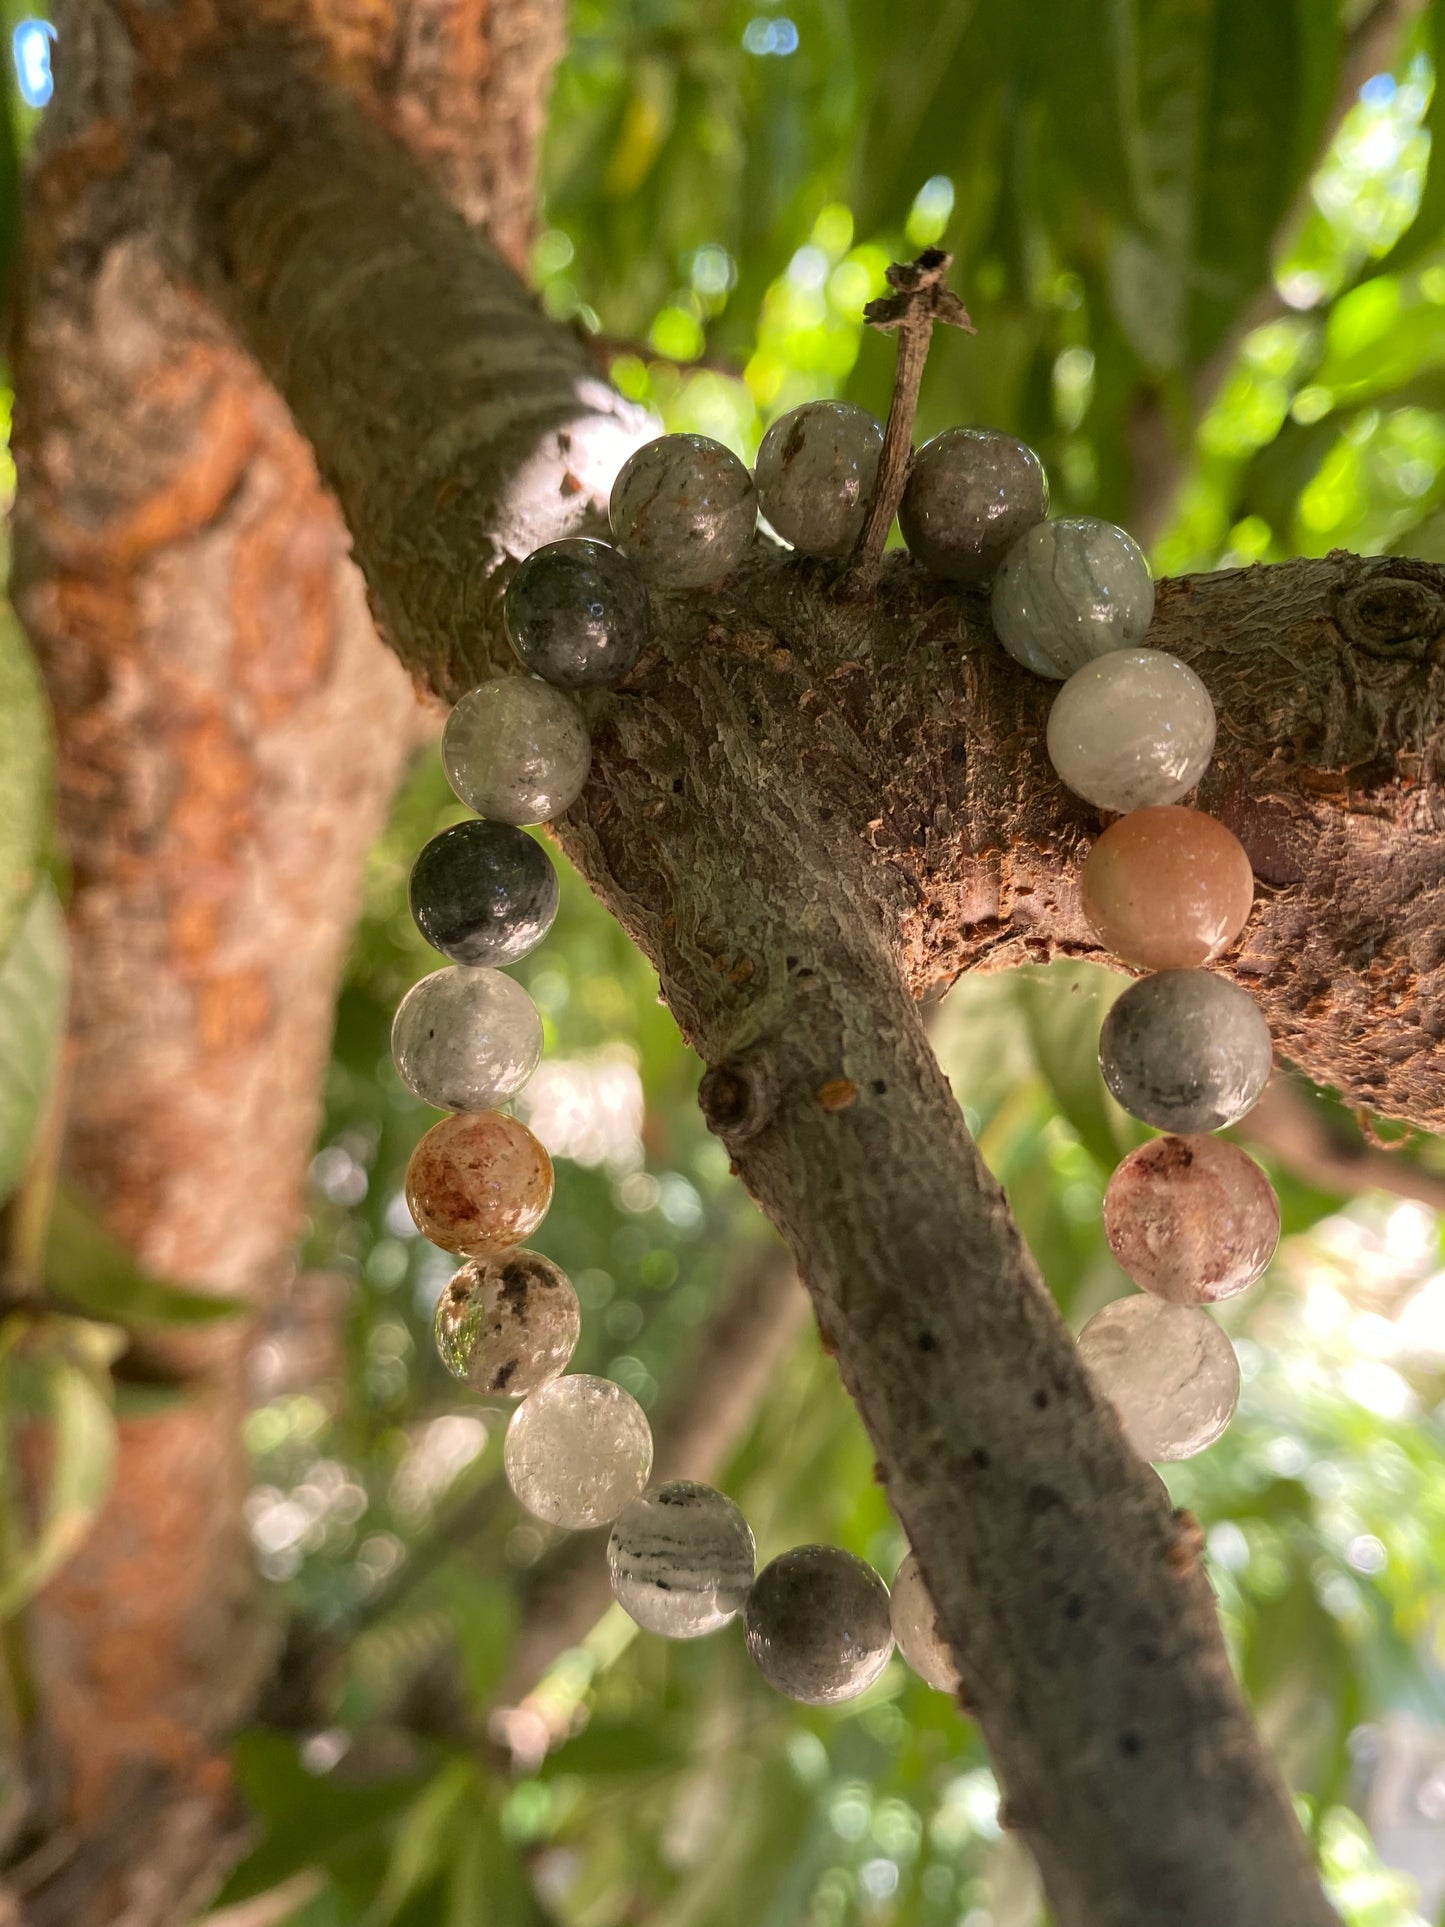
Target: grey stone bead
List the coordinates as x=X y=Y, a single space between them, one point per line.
x=1131 y=730
x=483 y=893
x=971 y=494
x=681 y=1560
x=815 y=472
x=1185 y=1051
x=818 y=1625
x=576 y=614
x=509 y=1324
x=1069 y=591
x=466 y=1039
x=516 y=750
x=684 y=511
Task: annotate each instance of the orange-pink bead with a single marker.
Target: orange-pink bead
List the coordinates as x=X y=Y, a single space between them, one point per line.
x=478 y=1182
x=1167 y=888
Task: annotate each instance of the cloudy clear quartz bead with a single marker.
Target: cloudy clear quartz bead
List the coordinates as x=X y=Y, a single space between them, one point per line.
x=1069 y=591
x=915 y=1627
x=466 y=1039
x=815 y=472
x=508 y=1324
x=516 y=750
x=681 y=1560
x=1185 y=1051
x=683 y=511
x=1169 y=1372
x=818 y=1625
x=578 y=1451
x=1131 y=728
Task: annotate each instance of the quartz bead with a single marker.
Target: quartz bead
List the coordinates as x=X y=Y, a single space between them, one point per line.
x=1069 y=591
x=971 y=494
x=1185 y=1051
x=684 y=511
x=1169 y=1372
x=1130 y=729
x=818 y=1626
x=816 y=471
x=578 y=1451
x=478 y=1183
x=1191 y=1219
x=1167 y=888
x=466 y=1039
x=915 y=1627
x=516 y=751
x=576 y=613
x=509 y=1324
x=681 y=1560
x=483 y=893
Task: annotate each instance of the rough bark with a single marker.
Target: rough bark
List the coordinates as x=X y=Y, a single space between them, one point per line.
x=809 y=809
x=230 y=732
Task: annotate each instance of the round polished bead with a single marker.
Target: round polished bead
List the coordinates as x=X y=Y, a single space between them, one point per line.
x=1169 y=1372
x=1185 y=1051
x=506 y=1325
x=576 y=613
x=684 y=511
x=483 y=893
x=1130 y=729
x=465 y=1039
x=1191 y=1219
x=971 y=494
x=578 y=1451
x=1167 y=888
x=816 y=470
x=478 y=1183
x=681 y=1560
x=1069 y=591
x=818 y=1626
x=516 y=750
x=915 y=1627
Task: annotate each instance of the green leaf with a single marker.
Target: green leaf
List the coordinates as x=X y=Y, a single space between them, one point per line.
x=32 y=1014
x=27 y=760
x=607 y=1747
x=89 y=1269
x=1428 y=226
x=425 y=1838
x=1064 y=1006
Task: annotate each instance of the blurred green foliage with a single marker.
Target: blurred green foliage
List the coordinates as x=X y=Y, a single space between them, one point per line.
x=1210 y=332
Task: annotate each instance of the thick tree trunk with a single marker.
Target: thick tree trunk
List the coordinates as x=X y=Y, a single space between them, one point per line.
x=810 y=809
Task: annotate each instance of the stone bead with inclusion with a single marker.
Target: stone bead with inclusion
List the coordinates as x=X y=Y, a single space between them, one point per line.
x=818 y=1625
x=478 y=1183
x=1185 y=1051
x=683 y=511
x=506 y=1325
x=971 y=493
x=681 y=1560
x=516 y=750
x=1131 y=729
x=915 y=1627
x=483 y=893
x=815 y=472
x=576 y=613
x=1191 y=1219
x=466 y=1039
x=578 y=1451
x=1169 y=1372
x=1069 y=591
x=1167 y=888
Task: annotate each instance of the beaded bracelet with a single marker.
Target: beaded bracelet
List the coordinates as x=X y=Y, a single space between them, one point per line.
x=1189 y=1216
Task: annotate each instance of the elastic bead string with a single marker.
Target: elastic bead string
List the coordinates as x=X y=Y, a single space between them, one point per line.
x=1190 y=1218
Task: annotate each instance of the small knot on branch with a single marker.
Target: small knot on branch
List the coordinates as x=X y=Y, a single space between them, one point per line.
x=921 y=294
x=737 y=1098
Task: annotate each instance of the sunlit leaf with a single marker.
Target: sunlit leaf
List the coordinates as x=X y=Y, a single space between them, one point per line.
x=89 y=1269
x=32 y=1020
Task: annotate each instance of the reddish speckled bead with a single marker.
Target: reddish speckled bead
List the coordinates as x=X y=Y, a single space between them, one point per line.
x=1167 y=888
x=1191 y=1219
x=478 y=1182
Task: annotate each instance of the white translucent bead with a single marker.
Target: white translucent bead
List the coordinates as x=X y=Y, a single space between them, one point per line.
x=683 y=511
x=508 y=1324
x=577 y=1451
x=681 y=1560
x=915 y=1627
x=1130 y=729
x=466 y=1039
x=1169 y=1372
x=516 y=750
x=1069 y=591
x=818 y=1626
x=815 y=472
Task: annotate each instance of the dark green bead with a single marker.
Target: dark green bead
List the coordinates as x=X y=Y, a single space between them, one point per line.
x=576 y=613
x=484 y=893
